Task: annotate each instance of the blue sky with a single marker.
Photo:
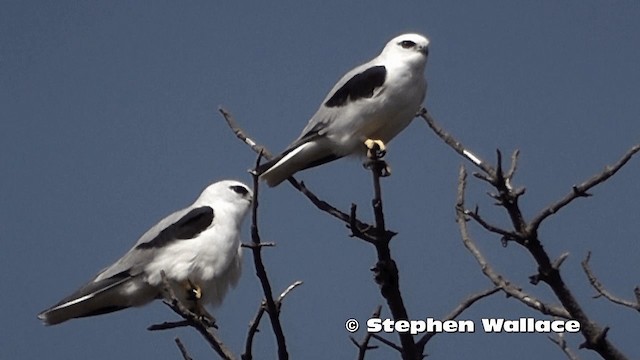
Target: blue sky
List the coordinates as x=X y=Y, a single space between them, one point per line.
x=109 y=123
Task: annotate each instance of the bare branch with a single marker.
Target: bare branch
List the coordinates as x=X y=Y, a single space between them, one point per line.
x=497 y=279
x=385 y=271
x=465 y=304
x=595 y=337
x=251 y=333
x=593 y=280
x=240 y=134
x=183 y=349
x=195 y=321
x=455 y=144
x=390 y=344
x=300 y=186
x=508 y=235
x=363 y=345
x=582 y=189
x=562 y=344
x=271 y=307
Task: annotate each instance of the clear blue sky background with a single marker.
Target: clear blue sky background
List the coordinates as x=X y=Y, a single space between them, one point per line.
x=109 y=123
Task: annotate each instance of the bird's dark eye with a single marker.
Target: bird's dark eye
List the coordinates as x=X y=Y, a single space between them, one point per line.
x=407 y=44
x=239 y=189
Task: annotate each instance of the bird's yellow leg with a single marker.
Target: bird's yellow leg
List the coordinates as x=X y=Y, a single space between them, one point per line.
x=376 y=148
x=194 y=294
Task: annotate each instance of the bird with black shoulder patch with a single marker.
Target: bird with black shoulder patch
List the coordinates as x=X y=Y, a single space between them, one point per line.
x=366 y=108
x=197 y=248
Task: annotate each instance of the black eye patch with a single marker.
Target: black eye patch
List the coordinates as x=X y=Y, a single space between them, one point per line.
x=239 y=189
x=407 y=44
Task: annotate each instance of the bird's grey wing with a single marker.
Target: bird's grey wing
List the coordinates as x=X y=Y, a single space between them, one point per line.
x=120 y=285
x=360 y=82
x=181 y=225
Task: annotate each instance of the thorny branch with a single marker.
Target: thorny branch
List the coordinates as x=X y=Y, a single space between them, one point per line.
x=527 y=232
x=593 y=280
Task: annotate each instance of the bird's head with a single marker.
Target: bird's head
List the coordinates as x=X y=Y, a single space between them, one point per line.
x=412 y=48
x=231 y=195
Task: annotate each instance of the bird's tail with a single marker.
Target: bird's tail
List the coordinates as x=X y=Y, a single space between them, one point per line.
x=95 y=298
x=302 y=157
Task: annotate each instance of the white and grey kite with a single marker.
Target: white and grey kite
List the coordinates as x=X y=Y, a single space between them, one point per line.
x=197 y=247
x=369 y=105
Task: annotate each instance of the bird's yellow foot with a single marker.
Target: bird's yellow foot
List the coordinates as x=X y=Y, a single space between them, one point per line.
x=376 y=148
x=194 y=293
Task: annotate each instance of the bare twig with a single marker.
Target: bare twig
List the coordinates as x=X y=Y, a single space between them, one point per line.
x=593 y=280
x=240 y=134
x=497 y=279
x=255 y=322
x=300 y=186
x=183 y=349
x=385 y=271
x=390 y=344
x=253 y=330
x=453 y=143
x=363 y=346
x=548 y=271
x=465 y=304
x=269 y=303
x=562 y=344
x=582 y=189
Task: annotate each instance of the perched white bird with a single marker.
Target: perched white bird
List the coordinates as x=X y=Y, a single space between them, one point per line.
x=197 y=247
x=374 y=101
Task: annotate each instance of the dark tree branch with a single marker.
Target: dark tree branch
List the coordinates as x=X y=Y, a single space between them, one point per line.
x=453 y=143
x=183 y=349
x=300 y=186
x=497 y=279
x=548 y=272
x=255 y=322
x=465 y=304
x=253 y=330
x=363 y=346
x=562 y=344
x=240 y=134
x=386 y=271
x=582 y=189
x=593 y=280
x=390 y=344
x=270 y=305
x=193 y=320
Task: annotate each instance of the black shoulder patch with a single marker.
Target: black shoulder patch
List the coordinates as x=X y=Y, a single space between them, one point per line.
x=359 y=86
x=190 y=225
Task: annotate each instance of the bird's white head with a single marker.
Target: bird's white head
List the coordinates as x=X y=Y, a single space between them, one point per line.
x=410 y=48
x=230 y=195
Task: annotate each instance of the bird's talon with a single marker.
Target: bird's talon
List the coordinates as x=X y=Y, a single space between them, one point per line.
x=194 y=293
x=376 y=149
